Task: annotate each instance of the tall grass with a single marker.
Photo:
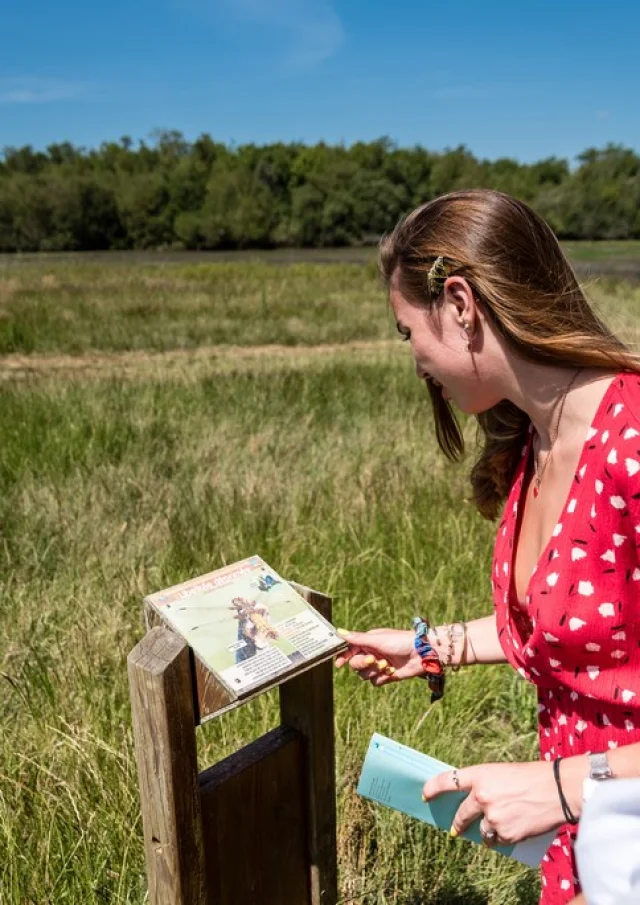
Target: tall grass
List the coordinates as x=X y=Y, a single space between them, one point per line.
x=63 y=306
x=113 y=487
x=72 y=308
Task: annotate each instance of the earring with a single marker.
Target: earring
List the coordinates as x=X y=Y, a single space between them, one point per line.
x=466 y=326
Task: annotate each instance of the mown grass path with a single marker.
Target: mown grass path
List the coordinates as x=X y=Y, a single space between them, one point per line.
x=211 y=359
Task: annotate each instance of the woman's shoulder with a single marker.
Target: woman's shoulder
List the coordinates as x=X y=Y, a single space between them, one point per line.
x=619 y=462
x=627 y=384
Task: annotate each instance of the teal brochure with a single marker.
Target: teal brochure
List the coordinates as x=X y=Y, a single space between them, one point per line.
x=393 y=774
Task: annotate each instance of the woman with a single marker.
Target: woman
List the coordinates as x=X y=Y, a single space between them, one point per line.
x=498 y=325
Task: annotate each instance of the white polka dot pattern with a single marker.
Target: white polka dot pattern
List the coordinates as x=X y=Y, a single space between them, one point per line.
x=578 y=638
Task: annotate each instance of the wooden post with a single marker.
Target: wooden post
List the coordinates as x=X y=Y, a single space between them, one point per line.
x=259 y=826
x=255 y=823
x=306 y=704
x=164 y=732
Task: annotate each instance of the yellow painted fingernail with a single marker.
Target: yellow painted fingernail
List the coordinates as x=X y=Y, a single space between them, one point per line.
x=343 y=632
x=369 y=660
x=382 y=664
x=453 y=832
x=390 y=670
x=424 y=797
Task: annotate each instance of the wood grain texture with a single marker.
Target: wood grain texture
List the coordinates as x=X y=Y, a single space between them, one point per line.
x=160 y=681
x=255 y=824
x=306 y=704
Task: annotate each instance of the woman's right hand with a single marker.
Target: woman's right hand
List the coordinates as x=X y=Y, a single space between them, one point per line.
x=381 y=655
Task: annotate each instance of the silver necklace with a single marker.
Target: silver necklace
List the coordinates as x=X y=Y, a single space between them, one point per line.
x=539 y=472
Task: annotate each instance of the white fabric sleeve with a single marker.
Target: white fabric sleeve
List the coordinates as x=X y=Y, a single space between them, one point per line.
x=608 y=844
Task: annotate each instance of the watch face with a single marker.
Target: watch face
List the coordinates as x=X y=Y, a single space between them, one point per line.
x=599 y=767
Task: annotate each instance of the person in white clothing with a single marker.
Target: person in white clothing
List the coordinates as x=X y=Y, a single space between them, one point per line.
x=608 y=844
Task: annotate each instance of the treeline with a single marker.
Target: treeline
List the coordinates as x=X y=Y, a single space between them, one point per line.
x=171 y=193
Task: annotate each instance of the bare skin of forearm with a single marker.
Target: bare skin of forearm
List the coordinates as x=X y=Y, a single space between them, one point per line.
x=624 y=761
x=482 y=644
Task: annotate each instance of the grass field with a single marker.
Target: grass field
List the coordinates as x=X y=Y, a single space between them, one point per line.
x=160 y=420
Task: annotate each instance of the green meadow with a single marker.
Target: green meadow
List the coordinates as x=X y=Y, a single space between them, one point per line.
x=162 y=419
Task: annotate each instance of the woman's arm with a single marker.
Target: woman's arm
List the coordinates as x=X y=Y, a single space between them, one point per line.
x=387 y=655
x=521 y=800
x=623 y=760
x=481 y=644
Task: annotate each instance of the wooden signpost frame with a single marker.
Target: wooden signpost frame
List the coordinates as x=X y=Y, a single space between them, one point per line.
x=257 y=827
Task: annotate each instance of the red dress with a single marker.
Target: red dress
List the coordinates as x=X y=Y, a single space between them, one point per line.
x=578 y=641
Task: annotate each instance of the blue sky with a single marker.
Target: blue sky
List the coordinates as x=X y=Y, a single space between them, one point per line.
x=523 y=79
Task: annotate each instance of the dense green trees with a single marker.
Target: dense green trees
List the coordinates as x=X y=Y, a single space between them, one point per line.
x=170 y=193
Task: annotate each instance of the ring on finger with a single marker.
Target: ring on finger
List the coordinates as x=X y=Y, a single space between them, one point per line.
x=488 y=833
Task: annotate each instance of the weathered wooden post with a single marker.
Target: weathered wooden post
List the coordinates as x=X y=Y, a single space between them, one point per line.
x=260 y=825
x=163 y=726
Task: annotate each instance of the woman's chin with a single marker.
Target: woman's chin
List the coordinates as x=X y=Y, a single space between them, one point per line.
x=466 y=406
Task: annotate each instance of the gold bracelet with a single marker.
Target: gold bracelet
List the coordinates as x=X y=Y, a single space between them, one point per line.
x=449 y=660
x=473 y=650
x=452 y=637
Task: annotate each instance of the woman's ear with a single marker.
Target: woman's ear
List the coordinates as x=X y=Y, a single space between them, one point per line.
x=459 y=294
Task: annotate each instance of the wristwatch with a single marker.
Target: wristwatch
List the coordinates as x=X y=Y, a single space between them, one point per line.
x=599 y=770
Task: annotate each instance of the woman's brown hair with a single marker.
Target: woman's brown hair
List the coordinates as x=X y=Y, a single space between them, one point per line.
x=526 y=287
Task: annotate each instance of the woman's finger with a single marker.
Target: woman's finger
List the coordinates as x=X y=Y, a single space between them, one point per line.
x=343 y=658
x=362 y=660
x=448 y=781
x=347 y=655
x=380 y=668
x=456 y=781
x=467 y=813
x=355 y=639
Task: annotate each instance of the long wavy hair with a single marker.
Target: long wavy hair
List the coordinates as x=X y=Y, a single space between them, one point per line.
x=526 y=287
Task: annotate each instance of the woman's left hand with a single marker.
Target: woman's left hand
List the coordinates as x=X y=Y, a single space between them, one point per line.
x=514 y=800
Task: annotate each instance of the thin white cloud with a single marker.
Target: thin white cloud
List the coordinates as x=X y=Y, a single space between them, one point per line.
x=312 y=29
x=34 y=90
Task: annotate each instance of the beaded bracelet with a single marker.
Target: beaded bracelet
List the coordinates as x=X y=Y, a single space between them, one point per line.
x=432 y=668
